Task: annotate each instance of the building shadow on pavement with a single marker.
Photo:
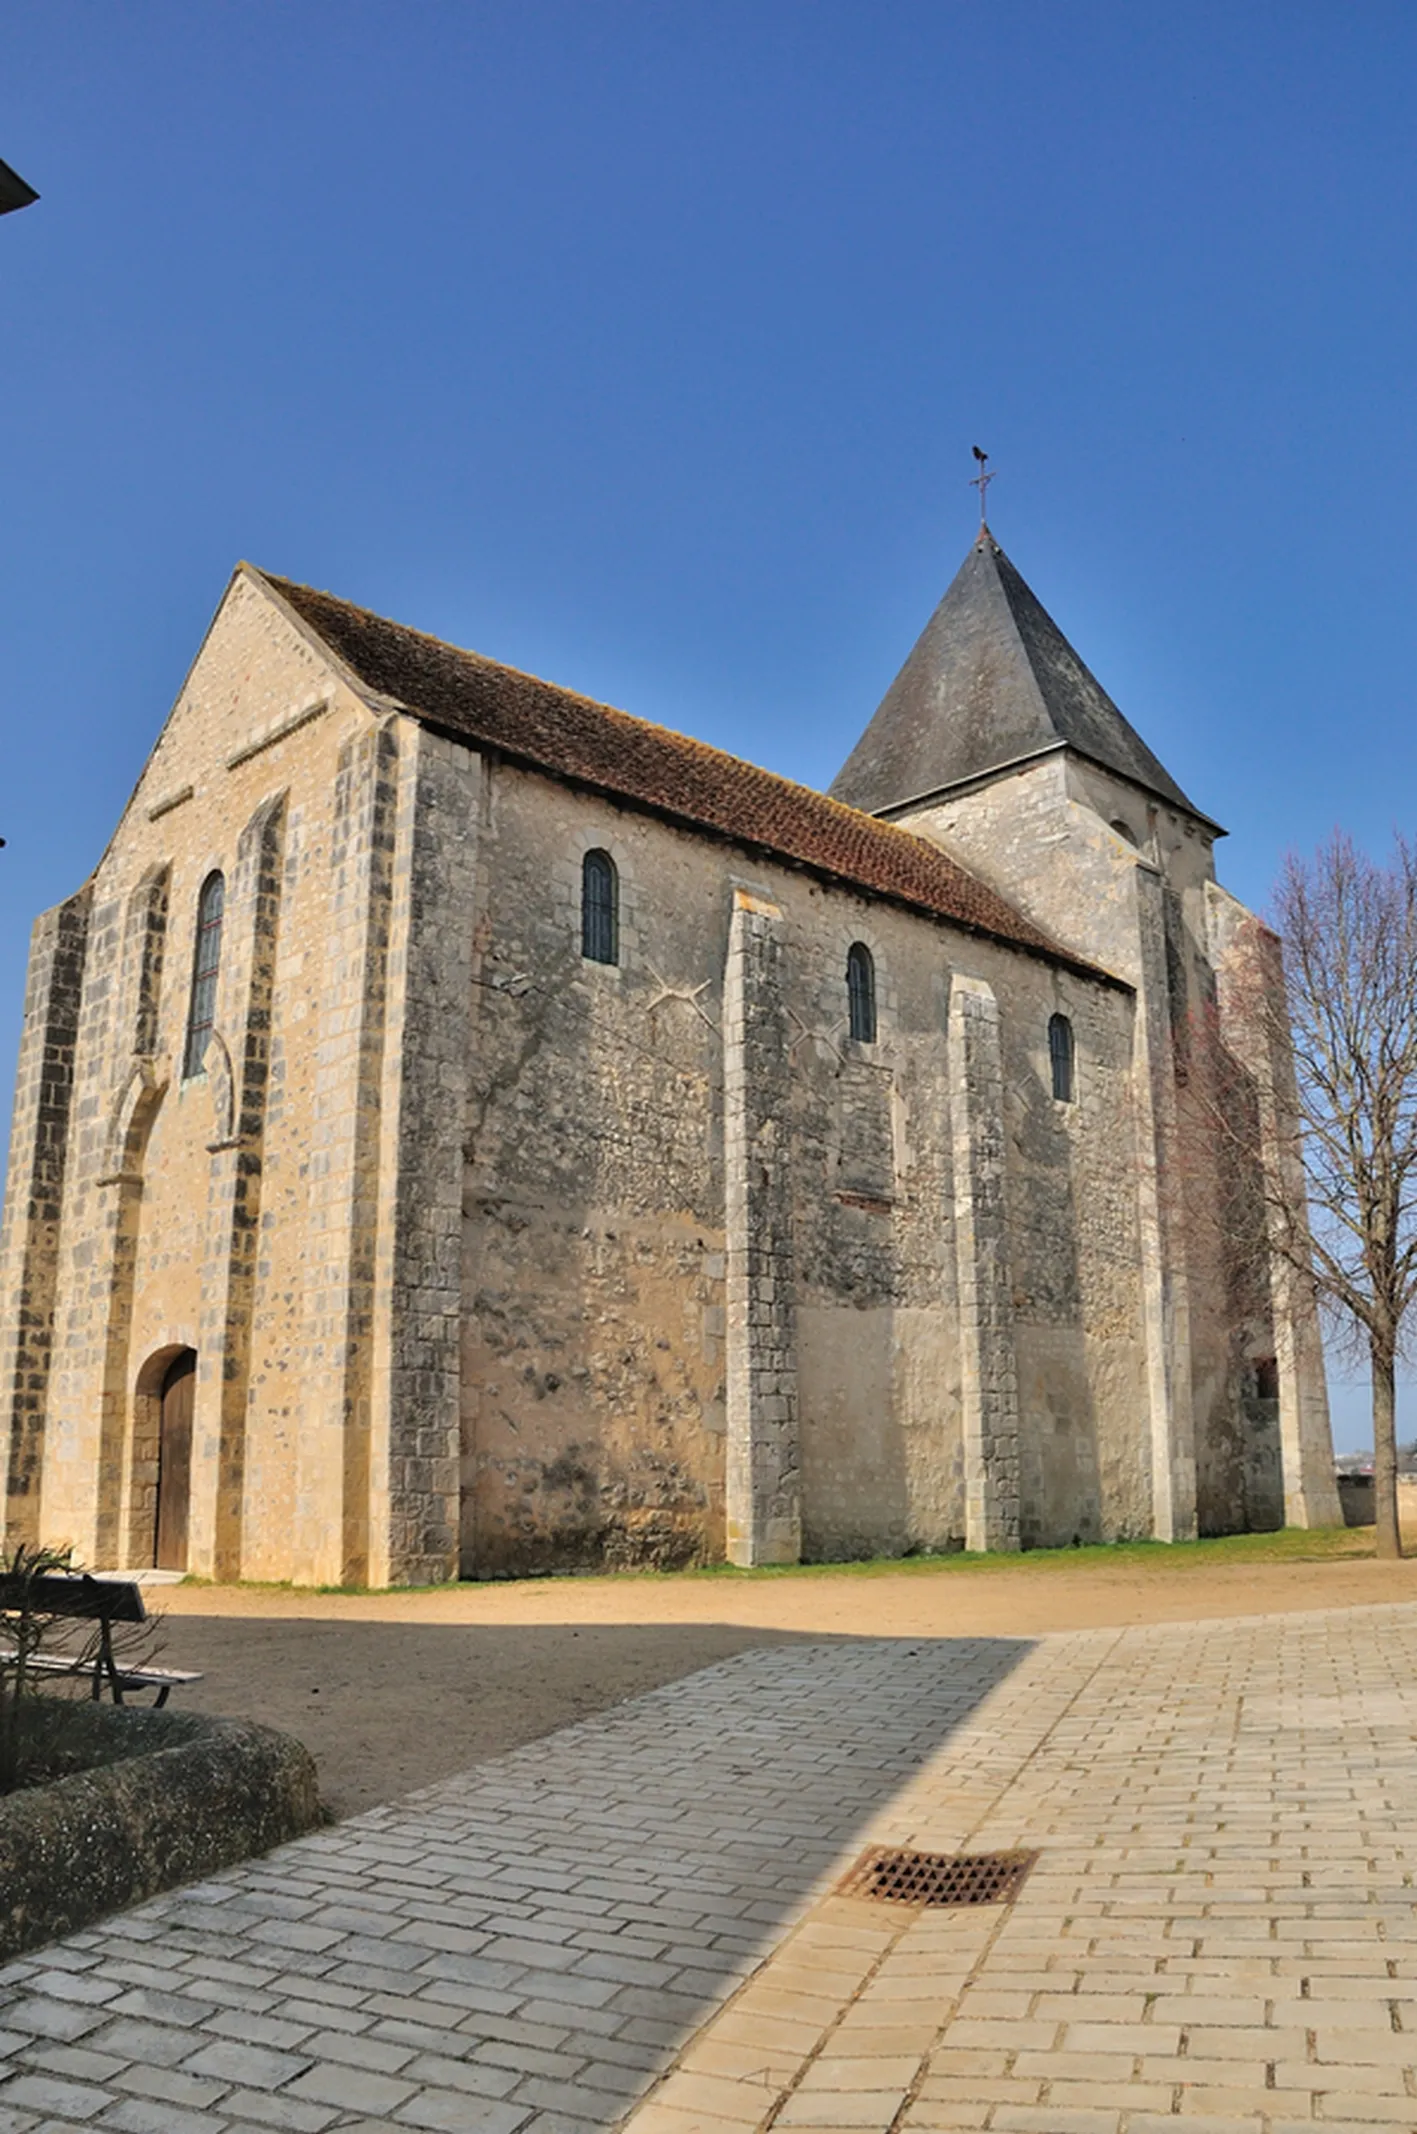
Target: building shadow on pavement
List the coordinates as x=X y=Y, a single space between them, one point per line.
x=387 y=1707
x=525 y=1944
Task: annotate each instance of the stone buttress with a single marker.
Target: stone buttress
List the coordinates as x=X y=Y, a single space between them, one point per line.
x=988 y=1374
x=764 y=1498
x=29 y=1248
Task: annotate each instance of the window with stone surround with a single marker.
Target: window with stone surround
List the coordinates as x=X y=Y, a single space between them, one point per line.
x=206 y=962
x=861 y=992
x=1060 y=1053
x=600 y=909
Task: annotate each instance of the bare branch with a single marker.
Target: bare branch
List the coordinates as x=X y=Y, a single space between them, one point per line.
x=1338 y=1011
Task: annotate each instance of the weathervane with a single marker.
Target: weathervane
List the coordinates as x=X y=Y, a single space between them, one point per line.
x=981 y=481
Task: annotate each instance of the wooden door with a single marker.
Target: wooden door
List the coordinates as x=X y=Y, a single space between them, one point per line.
x=174 y=1463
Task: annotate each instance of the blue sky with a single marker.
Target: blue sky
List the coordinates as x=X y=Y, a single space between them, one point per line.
x=643 y=346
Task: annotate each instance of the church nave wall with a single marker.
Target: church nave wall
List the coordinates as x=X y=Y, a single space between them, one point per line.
x=600 y=1312
x=593 y=1246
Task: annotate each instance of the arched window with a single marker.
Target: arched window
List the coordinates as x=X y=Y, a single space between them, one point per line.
x=600 y=909
x=206 y=962
x=1060 y=1052
x=861 y=992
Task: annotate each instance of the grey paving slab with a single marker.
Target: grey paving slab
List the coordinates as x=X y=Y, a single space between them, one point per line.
x=522 y=1949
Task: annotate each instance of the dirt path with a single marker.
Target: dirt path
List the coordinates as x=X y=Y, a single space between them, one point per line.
x=393 y=1690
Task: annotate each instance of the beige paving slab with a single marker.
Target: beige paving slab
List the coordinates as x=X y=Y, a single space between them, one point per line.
x=1222 y=1930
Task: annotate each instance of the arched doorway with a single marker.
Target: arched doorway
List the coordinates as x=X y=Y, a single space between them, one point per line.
x=174 y=1461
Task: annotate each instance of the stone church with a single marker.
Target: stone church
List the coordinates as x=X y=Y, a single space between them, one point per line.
x=464 y=1129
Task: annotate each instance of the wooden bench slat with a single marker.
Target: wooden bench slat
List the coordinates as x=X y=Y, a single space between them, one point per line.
x=105 y=1669
x=58 y=1663
x=80 y=1597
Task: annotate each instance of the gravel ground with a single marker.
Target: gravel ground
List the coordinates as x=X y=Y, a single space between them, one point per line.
x=395 y=1690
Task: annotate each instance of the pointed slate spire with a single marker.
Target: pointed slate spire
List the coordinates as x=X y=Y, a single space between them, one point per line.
x=991 y=682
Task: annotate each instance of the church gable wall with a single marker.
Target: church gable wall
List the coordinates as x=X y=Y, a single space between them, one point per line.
x=162 y=1207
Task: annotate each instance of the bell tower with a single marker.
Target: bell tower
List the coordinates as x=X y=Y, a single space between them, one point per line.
x=997 y=742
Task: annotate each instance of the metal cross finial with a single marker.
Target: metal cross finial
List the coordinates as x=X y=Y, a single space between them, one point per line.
x=981 y=481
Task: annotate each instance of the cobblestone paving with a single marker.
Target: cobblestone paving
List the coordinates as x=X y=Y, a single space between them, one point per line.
x=519 y=1950
x=1220 y=1934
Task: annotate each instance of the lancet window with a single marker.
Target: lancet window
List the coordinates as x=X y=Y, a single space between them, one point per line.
x=1060 y=1053
x=206 y=963
x=861 y=992
x=600 y=909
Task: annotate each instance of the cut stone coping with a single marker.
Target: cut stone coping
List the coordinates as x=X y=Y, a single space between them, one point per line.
x=170 y=1797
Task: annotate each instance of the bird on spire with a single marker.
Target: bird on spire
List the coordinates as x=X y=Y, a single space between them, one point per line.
x=981 y=482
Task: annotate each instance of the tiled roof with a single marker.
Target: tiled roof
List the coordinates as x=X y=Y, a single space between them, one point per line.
x=490 y=706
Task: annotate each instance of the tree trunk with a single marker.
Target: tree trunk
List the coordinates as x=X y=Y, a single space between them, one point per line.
x=1381 y=1358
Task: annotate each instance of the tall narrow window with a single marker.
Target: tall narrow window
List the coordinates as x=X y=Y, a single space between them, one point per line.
x=861 y=992
x=206 y=962
x=600 y=909
x=1060 y=1052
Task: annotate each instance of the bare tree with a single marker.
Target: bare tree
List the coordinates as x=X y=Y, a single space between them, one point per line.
x=1349 y=927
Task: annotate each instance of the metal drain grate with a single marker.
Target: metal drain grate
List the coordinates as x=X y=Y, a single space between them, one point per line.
x=896 y=1876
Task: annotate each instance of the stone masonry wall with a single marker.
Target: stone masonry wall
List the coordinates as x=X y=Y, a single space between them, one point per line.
x=595 y=1256
x=236 y=1155
x=1128 y=882
x=251 y=1211
x=1250 y=1025
x=593 y=1222
x=414 y=1497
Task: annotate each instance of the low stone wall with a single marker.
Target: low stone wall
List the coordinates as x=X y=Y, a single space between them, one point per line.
x=1355 y=1495
x=166 y=1797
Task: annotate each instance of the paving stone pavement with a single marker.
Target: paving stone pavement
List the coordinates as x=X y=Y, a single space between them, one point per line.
x=1220 y=1935
x=518 y=1950
x=632 y=1923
